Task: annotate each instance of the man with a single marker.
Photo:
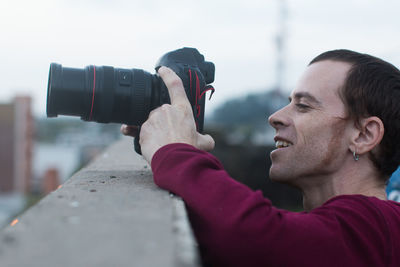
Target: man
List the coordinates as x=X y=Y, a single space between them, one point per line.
x=336 y=141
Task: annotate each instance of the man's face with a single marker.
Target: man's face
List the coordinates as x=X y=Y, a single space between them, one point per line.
x=311 y=129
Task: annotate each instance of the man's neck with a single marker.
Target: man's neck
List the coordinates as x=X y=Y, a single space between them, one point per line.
x=363 y=180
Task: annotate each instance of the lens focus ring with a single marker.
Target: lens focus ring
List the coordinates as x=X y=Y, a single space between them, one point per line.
x=138 y=97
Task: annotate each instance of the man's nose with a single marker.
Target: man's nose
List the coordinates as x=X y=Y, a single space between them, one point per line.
x=278 y=118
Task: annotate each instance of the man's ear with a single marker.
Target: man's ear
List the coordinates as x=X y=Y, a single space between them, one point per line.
x=368 y=136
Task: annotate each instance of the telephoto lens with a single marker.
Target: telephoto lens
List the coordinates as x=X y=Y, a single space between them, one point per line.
x=101 y=94
x=106 y=94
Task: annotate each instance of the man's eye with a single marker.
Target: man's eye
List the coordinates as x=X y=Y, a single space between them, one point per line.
x=302 y=107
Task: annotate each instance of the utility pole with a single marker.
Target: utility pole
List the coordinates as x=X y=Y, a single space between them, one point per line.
x=281 y=44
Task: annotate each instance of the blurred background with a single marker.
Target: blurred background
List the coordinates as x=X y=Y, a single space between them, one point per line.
x=259 y=48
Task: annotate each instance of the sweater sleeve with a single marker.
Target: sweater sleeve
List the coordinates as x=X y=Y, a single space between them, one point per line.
x=236 y=226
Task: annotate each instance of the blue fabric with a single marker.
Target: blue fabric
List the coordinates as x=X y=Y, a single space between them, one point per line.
x=393 y=188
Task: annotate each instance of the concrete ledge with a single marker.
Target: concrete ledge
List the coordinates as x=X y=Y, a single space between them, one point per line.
x=110 y=213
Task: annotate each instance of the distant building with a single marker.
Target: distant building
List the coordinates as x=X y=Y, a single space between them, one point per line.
x=50 y=181
x=16 y=139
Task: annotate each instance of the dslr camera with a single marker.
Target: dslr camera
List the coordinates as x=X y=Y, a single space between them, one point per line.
x=106 y=94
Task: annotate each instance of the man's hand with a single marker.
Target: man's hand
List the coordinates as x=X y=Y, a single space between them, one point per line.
x=170 y=123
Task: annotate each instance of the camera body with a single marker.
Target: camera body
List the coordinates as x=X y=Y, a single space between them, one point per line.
x=195 y=73
x=181 y=60
x=106 y=94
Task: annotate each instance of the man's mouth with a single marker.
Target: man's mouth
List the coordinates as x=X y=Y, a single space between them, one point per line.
x=282 y=144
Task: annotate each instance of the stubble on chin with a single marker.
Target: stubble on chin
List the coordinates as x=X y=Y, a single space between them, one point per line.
x=280 y=174
x=293 y=173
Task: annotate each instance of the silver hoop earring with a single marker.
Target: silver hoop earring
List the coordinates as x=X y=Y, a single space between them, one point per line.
x=355 y=156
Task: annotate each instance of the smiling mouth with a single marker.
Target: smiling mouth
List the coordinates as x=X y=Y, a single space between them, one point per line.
x=282 y=144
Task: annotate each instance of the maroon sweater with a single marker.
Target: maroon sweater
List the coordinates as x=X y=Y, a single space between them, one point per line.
x=236 y=226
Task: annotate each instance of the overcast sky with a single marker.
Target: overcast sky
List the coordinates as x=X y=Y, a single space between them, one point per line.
x=238 y=36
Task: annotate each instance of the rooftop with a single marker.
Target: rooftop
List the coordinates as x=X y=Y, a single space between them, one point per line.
x=110 y=213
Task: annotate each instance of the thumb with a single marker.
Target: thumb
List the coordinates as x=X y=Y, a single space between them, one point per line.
x=205 y=142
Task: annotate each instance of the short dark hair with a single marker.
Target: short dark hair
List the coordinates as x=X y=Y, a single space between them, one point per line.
x=372 y=88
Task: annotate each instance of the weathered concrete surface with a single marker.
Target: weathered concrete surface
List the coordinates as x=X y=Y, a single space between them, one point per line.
x=108 y=214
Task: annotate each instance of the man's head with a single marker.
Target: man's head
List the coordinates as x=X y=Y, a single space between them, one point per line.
x=372 y=88
x=344 y=103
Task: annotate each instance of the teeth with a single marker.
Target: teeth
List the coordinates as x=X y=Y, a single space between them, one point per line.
x=280 y=144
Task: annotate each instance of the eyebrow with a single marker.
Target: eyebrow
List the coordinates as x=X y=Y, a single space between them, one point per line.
x=307 y=96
